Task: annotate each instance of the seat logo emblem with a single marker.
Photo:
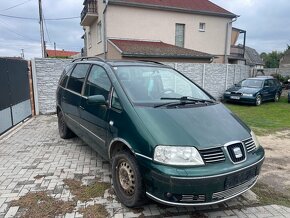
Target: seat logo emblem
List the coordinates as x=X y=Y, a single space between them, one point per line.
x=238 y=153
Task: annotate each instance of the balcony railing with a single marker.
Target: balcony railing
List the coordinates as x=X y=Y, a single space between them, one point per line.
x=90 y=11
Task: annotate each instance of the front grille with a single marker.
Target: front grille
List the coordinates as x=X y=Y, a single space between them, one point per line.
x=236 y=94
x=233 y=191
x=250 y=145
x=212 y=155
x=236 y=152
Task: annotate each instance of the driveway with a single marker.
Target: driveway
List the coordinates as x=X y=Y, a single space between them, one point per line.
x=33 y=159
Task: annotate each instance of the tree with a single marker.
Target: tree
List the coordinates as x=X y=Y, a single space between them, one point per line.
x=272 y=59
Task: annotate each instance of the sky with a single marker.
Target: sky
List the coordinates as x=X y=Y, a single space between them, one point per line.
x=267 y=24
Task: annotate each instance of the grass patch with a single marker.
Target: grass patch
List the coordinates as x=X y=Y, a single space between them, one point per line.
x=85 y=193
x=268 y=195
x=268 y=118
x=39 y=204
x=94 y=211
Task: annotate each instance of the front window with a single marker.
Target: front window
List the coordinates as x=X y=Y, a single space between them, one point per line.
x=251 y=83
x=153 y=84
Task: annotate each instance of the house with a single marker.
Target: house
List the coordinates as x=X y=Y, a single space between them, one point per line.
x=60 y=53
x=285 y=60
x=196 y=30
x=238 y=51
x=253 y=59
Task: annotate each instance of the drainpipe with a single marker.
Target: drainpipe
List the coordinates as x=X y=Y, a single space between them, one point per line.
x=227 y=38
x=105 y=29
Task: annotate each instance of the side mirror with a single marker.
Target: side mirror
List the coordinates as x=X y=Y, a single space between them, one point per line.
x=96 y=100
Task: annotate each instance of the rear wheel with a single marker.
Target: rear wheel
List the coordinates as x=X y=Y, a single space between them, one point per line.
x=258 y=100
x=127 y=180
x=277 y=97
x=64 y=131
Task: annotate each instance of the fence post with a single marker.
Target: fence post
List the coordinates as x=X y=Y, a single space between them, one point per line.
x=203 y=76
x=35 y=90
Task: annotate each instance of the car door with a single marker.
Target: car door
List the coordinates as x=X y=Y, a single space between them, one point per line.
x=95 y=117
x=71 y=97
x=266 y=90
x=272 y=89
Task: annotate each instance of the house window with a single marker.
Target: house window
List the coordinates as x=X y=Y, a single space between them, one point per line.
x=202 y=27
x=179 y=34
x=99 y=32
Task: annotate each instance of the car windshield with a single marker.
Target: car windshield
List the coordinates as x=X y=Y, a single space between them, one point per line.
x=251 y=83
x=156 y=84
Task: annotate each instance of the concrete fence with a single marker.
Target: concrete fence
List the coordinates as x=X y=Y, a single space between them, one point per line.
x=214 y=78
x=282 y=71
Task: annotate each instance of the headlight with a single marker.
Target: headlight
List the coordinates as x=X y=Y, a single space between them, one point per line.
x=248 y=95
x=227 y=93
x=182 y=156
x=255 y=139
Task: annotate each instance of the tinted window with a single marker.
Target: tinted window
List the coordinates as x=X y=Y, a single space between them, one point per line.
x=77 y=78
x=266 y=83
x=65 y=75
x=98 y=82
x=271 y=83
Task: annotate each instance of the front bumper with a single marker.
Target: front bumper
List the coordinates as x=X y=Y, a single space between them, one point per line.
x=241 y=99
x=197 y=190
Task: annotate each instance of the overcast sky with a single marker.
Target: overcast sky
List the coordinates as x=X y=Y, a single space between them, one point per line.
x=267 y=24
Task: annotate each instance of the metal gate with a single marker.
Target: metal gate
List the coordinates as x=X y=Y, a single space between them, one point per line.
x=15 y=103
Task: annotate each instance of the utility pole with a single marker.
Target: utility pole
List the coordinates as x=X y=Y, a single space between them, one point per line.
x=41 y=29
x=54 y=44
x=22 y=53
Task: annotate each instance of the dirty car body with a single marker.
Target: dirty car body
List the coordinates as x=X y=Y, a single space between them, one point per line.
x=167 y=139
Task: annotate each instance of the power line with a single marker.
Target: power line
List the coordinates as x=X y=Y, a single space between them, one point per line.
x=32 y=18
x=47 y=33
x=16 y=5
x=12 y=31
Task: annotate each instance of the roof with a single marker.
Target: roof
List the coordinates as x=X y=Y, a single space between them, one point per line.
x=155 y=49
x=60 y=53
x=252 y=57
x=285 y=60
x=189 y=6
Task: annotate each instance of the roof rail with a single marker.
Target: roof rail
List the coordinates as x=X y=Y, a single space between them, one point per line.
x=151 y=62
x=89 y=58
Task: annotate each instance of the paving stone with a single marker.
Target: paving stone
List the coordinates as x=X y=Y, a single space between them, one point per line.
x=11 y=212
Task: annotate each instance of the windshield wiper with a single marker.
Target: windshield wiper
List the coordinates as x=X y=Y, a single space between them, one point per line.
x=183 y=100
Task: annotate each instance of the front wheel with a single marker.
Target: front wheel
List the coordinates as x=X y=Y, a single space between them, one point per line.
x=127 y=180
x=258 y=100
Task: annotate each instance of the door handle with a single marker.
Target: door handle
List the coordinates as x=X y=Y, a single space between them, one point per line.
x=82 y=108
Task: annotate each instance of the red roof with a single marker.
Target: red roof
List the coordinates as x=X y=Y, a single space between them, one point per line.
x=60 y=53
x=155 y=49
x=204 y=6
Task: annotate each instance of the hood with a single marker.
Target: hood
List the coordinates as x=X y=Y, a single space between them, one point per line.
x=246 y=90
x=202 y=127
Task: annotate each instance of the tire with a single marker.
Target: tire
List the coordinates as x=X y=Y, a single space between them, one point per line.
x=127 y=180
x=258 y=100
x=64 y=131
x=277 y=97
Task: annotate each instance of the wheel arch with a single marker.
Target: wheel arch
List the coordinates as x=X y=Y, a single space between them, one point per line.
x=119 y=144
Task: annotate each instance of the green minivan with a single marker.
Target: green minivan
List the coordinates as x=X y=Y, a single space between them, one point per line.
x=166 y=138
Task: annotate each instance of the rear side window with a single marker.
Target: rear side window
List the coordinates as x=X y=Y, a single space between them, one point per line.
x=77 y=78
x=98 y=82
x=65 y=75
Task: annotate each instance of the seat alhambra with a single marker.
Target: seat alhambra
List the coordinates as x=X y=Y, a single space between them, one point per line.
x=166 y=138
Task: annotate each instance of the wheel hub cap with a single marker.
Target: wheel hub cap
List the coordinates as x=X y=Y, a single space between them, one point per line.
x=126 y=178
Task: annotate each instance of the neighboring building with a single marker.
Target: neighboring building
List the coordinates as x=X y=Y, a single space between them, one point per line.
x=199 y=26
x=285 y=60
x=60 y=54
x=253 y=59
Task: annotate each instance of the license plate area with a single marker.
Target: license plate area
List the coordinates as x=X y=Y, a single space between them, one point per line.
x=235 y=97
x=240 y=178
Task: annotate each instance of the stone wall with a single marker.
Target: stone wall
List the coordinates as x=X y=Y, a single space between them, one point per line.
x=282 y=71
x=214 y=78
x=46 y=76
